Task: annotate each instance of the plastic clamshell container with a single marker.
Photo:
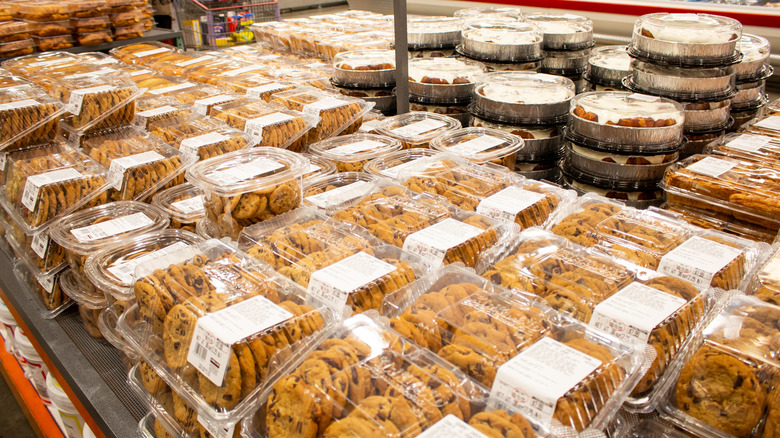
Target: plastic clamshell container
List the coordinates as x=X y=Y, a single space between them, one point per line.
x=175 y=64
x=268 y=124
x=502 y=41
x=488 y=190
x=14 y=31
x=258 y=87
x=481 y=145
x=443 y=80
x=340 y=190
x=17 y=48
x=151 y=109
x=56 y=42
x=184 y=205
x=391 y=164
x=338 y=114
x=200 y=137
x=350 y=153
x=318 y=167
x=97 y=102
x=682 y=83
x=42 y=11
x=93 y=38
x=34 y=186
x=90 y=301
x=203 y=98
x=27 y=117
x=236 y=185
x=742 y=189
x=90 y=24
x=107 y=326
x=523 y=98
x=142 y=53
x=540 y=142
x=45 y=286
x=437 y=306
x=365 y=69
x=765 y=285
x=112 y=268
x=416 y=129
x=758 y=149
x=138 y=164
x=49 y=28
x=768 y=125
x=457 y=112
x=755 y=59
x=723 y=222
x=228 y=278
x=626 y=122
x=540 y=263
x=433 y=32
x=624 y=167
x=686 y=39
x=129 y=32
x=86 y=231
x=36 y=249
x=742 y=340
x=563 y=31
x=608 y=65
x=586 y=212
x=87 y=8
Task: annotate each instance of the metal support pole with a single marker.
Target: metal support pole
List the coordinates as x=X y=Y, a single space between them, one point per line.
x=401 y=57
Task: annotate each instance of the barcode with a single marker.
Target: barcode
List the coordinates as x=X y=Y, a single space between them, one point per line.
x=201 y=351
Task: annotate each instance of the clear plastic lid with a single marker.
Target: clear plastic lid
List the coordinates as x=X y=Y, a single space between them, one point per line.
x=578 y=221
x=49 y=28
x=389 y=165
x=38 y=189
x=129 y=32
x=480 y=145
x=334 y=192
x=523 y=97
x=609 y=63
x=267 y=124
x=95 y=101
x=93 y=38
x=112 y=268
x=10 y=29
x=94 y=228
x=318 y=166
x=183 y=203
x=151 y=109
x=175 y=64
x=749 y=147
x=682 y=83
x=502 y=41
x=754 y=48
x=87 y=8
x=90 y=300
x=765 y=285
x=720 y=221
x=480 y=13
x=417 y=129
x=563 y=31
x=27 y=66
x=142 y=53
x=17 y=48
x=255 y=86
x=37 y=250
x=768 y=125
x=45 y=285
x=445 y=71
x=351 y=152
x=27 y=116
x=433 y=32
x=220 y=278
x=201 y=138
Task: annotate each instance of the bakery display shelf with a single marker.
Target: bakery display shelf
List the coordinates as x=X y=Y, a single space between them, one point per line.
x=152 y=35
x=89 y=370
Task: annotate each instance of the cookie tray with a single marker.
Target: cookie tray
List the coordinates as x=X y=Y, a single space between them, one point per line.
x=723 y=222
x=391 y=164
x=318 y=167
x=332 y=193
x=27 y=116
x=53 y=259
x=481 y=145
x=183 y=203
x=151 y=109
x=417 y=129
x=47 y=287
x=351 y=152
x=97 y=101
x=436 y=305
x=199 y=138
x=232 y=278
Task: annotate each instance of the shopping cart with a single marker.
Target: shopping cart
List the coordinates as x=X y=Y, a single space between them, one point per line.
x=221 y=23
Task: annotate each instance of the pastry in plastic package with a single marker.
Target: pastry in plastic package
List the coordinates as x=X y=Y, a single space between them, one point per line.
x=120 y=20
x=350 y=153
x=577 y=222
x=614 y=166
x=389 y=165
x=338 y=114
x=213 y=73
x=726 y=386
x=14 y=31
x=112 y=268
x=340 y=190
x=723 y=222
x=523 y=98
x=755 y=148
x=365 y=69
x=503 y=41
x=417 y=129
x=682 y=83
x=8 y=80
x=41 y=188
x=117 y=6
x=303 y=78
x=686 y=39
x=96 y=102
x=56 y=42
x=90 y=24
x=258 y=87
x=36 y=249
x=138 y=164
x=443 y=80
x=184 y=205
x=17 y=48
x=496 y=337
x=768 y=125
x=160 y=85
x=248 y=186
x=203 y=98
x=87 y=8
x=29 y=66
x=90 y=301
x=607 y=66
x=742 y=189
x=27 y=116
x=142 y=53
x=165 y=323
x=481 y=145
x=129 y=32
x=93 y=38
x=46 y=287
x=42 y=11
x=267 y=124
x=318 y=167
x=198 y=137
x=563 y=31
x=49 y=28
x=152 y=109
x=175 y=64
x=755 y=60
x=433 y=32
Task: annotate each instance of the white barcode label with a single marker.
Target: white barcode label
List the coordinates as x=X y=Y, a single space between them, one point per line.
x=749 y=142
x=710 y=166
x=258 y=91
x=140 y=72
x=354 y=148
x=369 y=126
x=189 y=206
x=217 y=431
x=190 y=62
x=146 y=53
x=32 y=186
x=643 y=97
x=323 y=104
x=242 y=70
x=697 y=260
x=508 y=203
x=18 y=104
x=124 y=271
x=418 y=128
x=172 y=88
x=393 y=172
x=202 y=106
x=632 y=313
x=46 y=282
x=451 y=427
x=333 y=284
x=254 y=168
x=157 y=111
x=116 y=172
x=476 y=145
x=76 y=99
x=112 y=228
x=40 y=244
x=216 y=332
x=340 y=195
x=769 y=123
x=532 y=382
x=432 y=243
x=254 y=127
x=190 y=146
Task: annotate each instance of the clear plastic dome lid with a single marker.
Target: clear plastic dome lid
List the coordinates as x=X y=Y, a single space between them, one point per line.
x=688 y=28
x=503 y=33
x=621 y=107
x=555 y=24
x=365 y=60
x=426 y=25
x=478 y=144
x=753 y=47
x=526 y=87
x=445 y=71
x=611 y=58
x=492 y=11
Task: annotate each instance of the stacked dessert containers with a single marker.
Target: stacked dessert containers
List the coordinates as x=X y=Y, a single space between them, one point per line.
x=567 y=40
x=607 y=66
x=367 y=74
x=751 y=74
x=444 y=86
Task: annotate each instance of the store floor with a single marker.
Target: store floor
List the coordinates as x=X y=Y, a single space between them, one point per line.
x=14 y=424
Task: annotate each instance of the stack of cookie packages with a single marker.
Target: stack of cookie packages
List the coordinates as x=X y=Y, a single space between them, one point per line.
x=696 y=68
x=567 y=43
x=751 y=75
x=369 y=75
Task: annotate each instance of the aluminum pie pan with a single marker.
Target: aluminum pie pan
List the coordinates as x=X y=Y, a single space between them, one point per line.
x=596 y=86
x=384 y=104
x=581 y=85
x=452 y=94
x=512 y=66
x=552 y=175
x=756 y=105
x=748 y=94
x=583 y=188
x=606 y=183
x=630 y=83
x=764 y=72
x=714 y=117
x=684 y=54
x=535 y=149
x=491 y=52
x=625 y=138
x=697 y=146
x=555 y=113
x=625 y=172
x=599 y=74
x=446 y=52
x=682 y=81
x=462 y=115
x=363 y=78
x=575 y=62
x=568 y=41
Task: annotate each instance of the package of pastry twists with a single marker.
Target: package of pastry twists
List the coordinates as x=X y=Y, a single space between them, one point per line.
x=268 y=124
x=138 y=164
x=248 y=186
x=256 y=86
x=487 y=189
x=337 y=262
x=625 y=300
x=152 y=109
x=159 y=85
x=111 y=269
x=175 y=63
x=728 y=384
x=746 y=190
x=332 y=193
x=422 y=225
x=142 y=53
x=96 y=102
x=86 y=231
x=14 y=31
x=761 y=149
x=40 y=188
x=768 y=125
x=351 y=152
x=494 y=336
x=338 y=114
x=200 y=137
x=194 y=292
x=215 y=72
x=417 y=129
x=27 y=116
x=45 y=286
x=184 y=204
x=129 y=32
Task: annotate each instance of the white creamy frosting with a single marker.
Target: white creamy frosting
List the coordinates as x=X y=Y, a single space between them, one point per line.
x=366 y=59
x=619 y=159
x=612 y=108
x=527 y=94
x=504 y=37
x=689 y=28
x=447 y=69
x=613 y=61
x=560 y=27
